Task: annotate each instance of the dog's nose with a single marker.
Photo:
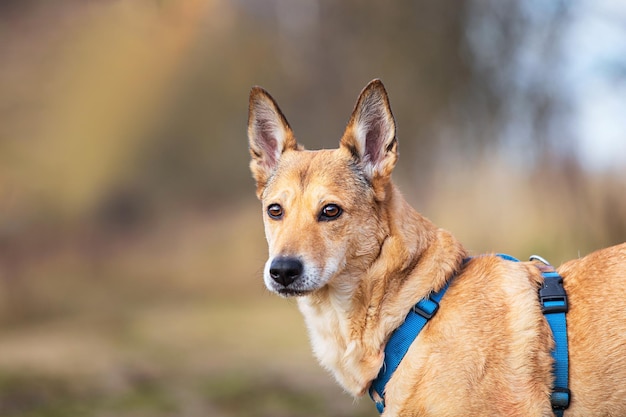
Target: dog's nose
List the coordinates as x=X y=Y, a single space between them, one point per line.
x=285 y=270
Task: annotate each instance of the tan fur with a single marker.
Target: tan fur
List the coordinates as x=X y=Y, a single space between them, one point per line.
x=487 y=351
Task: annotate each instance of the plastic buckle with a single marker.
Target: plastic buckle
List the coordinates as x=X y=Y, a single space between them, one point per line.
x=560 y=398
x=552 y=295
x=426 y=308
x=378 y=399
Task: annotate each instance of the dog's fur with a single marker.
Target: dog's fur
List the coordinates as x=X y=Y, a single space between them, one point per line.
x=359 y=257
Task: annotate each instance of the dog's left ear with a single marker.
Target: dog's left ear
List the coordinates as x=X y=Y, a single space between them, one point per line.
x=269 y=135
x=371 y=134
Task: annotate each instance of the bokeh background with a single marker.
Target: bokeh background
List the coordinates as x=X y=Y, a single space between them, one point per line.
x=131 y=243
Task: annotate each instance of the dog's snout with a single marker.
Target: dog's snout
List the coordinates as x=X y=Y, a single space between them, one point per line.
x=285 y=270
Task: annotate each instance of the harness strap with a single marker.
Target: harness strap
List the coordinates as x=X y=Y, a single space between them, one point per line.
x=554 y=305
x=400 y=341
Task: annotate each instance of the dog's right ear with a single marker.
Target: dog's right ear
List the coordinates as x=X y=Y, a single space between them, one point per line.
x=371 y=136
x=269 y=135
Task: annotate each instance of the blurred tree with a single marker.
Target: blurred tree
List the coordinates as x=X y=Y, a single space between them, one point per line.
x=146 y=102
x=313 y=57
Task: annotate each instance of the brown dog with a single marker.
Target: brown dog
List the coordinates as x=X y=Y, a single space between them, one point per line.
x=358 y=257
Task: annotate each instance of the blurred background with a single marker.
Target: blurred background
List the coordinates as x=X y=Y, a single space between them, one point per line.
x=131 y=242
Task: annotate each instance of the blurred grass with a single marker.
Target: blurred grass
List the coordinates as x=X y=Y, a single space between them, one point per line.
x=221 y=395
x=172 y=321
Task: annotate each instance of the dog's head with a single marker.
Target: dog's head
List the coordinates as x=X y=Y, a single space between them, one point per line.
x=323 y=210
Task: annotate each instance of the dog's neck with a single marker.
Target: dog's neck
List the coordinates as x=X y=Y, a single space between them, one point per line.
x=350 y=323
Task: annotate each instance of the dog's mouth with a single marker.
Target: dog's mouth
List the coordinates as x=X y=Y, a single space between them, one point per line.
x=295 y=289
x=289 y=292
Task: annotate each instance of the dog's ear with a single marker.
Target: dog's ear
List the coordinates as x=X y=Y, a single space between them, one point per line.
x=269 y=135
x=371 y=134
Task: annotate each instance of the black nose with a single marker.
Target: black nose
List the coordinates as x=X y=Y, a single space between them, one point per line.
x=285 y=270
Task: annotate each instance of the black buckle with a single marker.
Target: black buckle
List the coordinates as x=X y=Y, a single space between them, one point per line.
x=560 y=398
x=426 y=308
x=552 y=295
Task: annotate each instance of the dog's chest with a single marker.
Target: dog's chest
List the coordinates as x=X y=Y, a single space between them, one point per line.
x=326 y=330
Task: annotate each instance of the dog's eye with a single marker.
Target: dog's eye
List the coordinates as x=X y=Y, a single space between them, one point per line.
x=275 y=211
x=330 y=212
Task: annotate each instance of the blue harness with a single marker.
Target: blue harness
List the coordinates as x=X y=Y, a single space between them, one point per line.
x=553 y=304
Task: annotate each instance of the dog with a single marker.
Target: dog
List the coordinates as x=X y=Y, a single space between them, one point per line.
x=357 y=257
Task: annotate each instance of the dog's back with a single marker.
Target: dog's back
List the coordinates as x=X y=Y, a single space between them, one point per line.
x=596 y=327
